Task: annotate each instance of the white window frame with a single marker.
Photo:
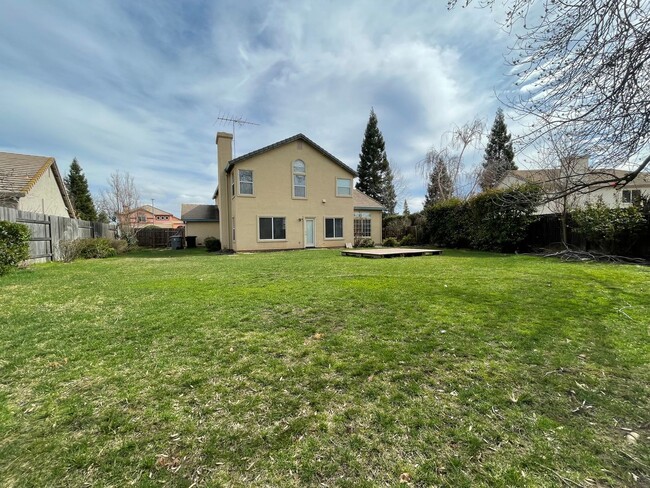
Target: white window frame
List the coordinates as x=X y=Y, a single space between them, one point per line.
x=344 y=195
x=295 y=173
x=361 y=220
x=252 y=183
x=272 y=217
x=334 y=237
x=232 y=185
x=630 y=195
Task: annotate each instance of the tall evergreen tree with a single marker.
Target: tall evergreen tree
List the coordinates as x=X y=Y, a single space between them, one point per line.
x=440 y=186
x=77 y=187
x=375 y=175
x=405 y=209
x=499 y=156
x=388 y=196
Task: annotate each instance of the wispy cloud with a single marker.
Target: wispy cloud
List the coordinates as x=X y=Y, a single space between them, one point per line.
x=137 y=86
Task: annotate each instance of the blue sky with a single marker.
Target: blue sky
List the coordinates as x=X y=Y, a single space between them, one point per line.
x=138 y=86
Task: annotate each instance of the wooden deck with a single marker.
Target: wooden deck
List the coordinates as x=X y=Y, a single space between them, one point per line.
x=389 y=252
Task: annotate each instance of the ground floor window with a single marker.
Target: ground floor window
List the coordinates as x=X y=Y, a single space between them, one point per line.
x=272 y=228
x=631 y=196
x=362 y=224
x=333 y=228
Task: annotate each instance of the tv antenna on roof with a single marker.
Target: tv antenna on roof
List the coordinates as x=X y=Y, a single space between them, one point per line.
x=236 y=122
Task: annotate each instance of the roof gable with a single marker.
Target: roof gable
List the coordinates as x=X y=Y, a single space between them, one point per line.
x=20 y=172
x=284 y=142
x=365 y=202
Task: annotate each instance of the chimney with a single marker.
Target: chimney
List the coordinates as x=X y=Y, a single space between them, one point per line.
x=224 y=155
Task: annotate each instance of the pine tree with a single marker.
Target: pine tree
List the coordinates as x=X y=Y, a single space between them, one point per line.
x=499 y=155
x=440 y=186
x=77 y=187
x=388 y=197
x=405 y=210
x=375 y=175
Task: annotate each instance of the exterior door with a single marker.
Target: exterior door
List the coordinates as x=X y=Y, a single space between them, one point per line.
x=310 y=238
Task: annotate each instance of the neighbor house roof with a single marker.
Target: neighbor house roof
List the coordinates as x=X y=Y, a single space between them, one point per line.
x=289 y=140
x=547 y=178
x=194 y=212
x=150 y=209
x=364 y=202
x=20 y=172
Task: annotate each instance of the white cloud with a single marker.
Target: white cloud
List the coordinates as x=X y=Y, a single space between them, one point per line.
x=138 y=87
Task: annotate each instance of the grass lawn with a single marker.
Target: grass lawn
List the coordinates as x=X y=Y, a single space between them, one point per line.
x=309 y=369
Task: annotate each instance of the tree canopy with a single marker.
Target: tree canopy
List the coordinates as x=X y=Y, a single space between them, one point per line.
x=375 y=174
x=499 y=155
x=77 y=186
x=584 y=67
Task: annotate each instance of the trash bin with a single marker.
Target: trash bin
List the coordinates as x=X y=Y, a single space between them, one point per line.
x=176 y=242
x=191 y=241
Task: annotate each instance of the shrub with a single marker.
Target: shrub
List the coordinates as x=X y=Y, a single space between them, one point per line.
x=98 y=248
x=14 y=245
x=363 y=242
x=610 y=230
x=446 y=224
x=95 y=248
x=407 y=240
x=121 y=246
x=396 y=226
x=212 y=244
x=390 y=242
x=499 y=219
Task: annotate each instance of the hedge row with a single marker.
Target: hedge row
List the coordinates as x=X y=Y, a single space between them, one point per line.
x=496 y=220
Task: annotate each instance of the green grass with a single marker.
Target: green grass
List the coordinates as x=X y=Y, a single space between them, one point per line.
x=310 y=369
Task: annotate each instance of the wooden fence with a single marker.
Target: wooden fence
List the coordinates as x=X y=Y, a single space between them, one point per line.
x=47 y=231
x=546 y=232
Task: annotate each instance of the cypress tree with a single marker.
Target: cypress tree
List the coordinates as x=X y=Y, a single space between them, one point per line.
x=405 y=210
x=440 y=186
x=375 y=175
x=499 y=155
x=77 y=187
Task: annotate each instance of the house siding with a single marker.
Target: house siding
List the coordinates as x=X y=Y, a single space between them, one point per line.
x=273 y=197
x=44 y=197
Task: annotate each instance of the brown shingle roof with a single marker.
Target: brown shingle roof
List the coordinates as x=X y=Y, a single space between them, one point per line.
x=20 y=172
x=364 y=202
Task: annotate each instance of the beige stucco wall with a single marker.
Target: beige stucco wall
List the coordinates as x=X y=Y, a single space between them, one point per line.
x=273 y=180
x=44 y=197
x=202 y=230
x=376 y=226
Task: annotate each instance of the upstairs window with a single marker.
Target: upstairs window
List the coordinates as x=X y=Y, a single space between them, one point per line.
x=245 y=182
x=299 y=179
x=343 y=187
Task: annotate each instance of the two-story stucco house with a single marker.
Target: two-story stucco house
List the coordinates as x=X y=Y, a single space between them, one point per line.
x=33 y=184
x=290 y=195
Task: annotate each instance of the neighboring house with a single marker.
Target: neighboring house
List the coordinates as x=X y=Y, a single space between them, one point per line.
x=578 y=173
x=148 y=215
x=33 y=184
x=289 y=195
x=200 y=220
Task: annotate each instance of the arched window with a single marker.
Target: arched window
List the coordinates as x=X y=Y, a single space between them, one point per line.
x=299 y=179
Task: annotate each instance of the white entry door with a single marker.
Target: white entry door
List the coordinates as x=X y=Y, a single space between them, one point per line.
x=310 y=238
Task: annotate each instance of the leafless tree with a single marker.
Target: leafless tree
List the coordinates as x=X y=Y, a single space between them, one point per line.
x=456 y=179
x=119 y=200
x=583 y=64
